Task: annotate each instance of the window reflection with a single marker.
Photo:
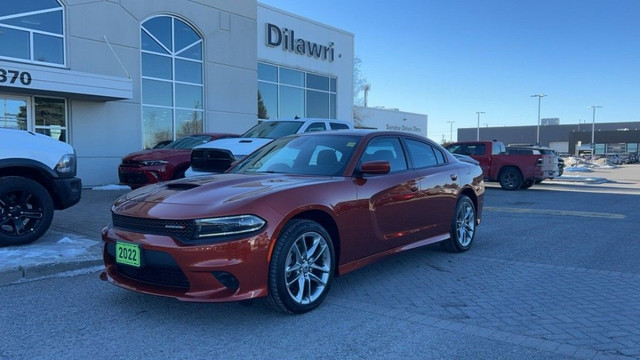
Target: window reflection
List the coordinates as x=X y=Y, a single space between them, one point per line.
x=32 y=30
x=294 y=93
x=291 y=102
x=269 y=96
x=157 y=125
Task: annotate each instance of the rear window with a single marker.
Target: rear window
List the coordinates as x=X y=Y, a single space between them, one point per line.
x=273 y=129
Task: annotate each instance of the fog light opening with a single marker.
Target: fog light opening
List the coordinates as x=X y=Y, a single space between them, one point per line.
x=227 y=279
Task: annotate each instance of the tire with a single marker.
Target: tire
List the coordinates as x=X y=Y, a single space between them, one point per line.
x=510 y=178
x=302 y=267
x=26 y=210
x=463 y=226
x=527 y=184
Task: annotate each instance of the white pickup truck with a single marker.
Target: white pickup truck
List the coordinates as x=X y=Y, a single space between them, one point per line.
x=217 y=156
x=37 y=176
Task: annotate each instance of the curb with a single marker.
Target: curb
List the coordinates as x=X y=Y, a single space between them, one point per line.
x=20 y=273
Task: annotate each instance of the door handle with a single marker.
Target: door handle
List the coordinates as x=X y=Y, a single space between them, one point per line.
x=454 y=177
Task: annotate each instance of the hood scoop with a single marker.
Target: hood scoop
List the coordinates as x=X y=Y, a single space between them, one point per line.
x=180 y=186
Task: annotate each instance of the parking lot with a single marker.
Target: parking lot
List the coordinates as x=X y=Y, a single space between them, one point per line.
x=553 y=273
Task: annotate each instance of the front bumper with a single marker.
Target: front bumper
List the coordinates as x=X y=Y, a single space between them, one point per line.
x=67 y=192
x=229 y=271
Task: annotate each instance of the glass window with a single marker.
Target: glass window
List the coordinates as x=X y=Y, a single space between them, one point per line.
x=189 y=71
x=157 y=125
x=386 y=149
x=309 y=95
x=317 y=104
x=19 y=41
x=291 y=102
x=156 y=66
x=317 y=82
x=33 y=30
x=316 y=126
x=338 y=126
x=422 y=154
x=157 y=92
x=174 y=106
x=51 y=117
x=188 y=122
x=188 y=96
x=267 y=72
x=291 y=77
x=268 y=94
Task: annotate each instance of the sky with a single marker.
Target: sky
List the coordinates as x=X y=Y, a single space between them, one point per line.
x=450 y=59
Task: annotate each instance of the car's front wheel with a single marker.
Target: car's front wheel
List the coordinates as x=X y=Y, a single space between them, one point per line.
x=302 y=267
x=463 y=226
x=26 y=210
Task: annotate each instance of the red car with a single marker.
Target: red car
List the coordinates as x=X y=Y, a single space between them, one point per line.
x=167 y=163
x=292 y=215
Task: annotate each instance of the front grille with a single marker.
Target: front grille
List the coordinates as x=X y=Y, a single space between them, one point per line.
x=211 y=160
x=179 y=229
x=133 y=178
x=158 y=268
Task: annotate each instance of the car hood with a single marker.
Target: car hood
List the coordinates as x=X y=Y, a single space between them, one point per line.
x=157 y=154
x=237 y=146
x=188 y=197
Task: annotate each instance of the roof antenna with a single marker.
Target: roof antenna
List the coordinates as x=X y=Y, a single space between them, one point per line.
x=297 y=117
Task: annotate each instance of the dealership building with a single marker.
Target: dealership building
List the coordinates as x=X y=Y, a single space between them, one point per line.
x=608 y=138
x=113 y=77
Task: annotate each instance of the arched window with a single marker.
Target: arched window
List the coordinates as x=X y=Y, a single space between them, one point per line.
x=172 y=80
x=32 y=30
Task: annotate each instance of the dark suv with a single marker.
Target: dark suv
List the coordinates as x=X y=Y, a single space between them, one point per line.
x=170 y=162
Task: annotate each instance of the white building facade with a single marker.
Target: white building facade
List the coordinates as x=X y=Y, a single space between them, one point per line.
x=113 y=77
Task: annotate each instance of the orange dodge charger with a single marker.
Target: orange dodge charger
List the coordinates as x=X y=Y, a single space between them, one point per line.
x=288 y=218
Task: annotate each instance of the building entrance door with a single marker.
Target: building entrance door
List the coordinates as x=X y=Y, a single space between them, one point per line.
x=15 y=112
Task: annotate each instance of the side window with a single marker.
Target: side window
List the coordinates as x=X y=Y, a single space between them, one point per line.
x=439 y=156
x=386 y=149
x=316 y=126
x=338 y=126
x=422 y=154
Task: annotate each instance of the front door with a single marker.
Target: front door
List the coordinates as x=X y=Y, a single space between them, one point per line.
x=15 y=112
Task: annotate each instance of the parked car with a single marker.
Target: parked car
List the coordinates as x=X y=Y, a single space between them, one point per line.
x=289 y=217
x=515 y=170
x=614 y=159
x=37 y=176
x=217 y=156
x=169 y=162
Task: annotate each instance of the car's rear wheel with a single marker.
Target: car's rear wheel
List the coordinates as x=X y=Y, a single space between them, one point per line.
x=510 y=179
x=463 y=226
x=302 y=267
x=26 y=210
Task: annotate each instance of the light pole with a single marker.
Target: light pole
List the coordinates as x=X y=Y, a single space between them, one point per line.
x=451 y=130
x=593 y=129
x=539 y=96
x=478 y=133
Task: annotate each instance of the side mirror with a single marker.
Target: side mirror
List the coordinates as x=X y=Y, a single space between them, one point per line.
x=375 y=168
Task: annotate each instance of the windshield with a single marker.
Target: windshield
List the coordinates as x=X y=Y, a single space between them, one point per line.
x=273 y=129
x=326 y=155
x=188 y=142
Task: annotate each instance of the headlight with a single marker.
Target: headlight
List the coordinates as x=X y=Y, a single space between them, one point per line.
x=225 y=226
x=66 y=166
x=153 y=162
